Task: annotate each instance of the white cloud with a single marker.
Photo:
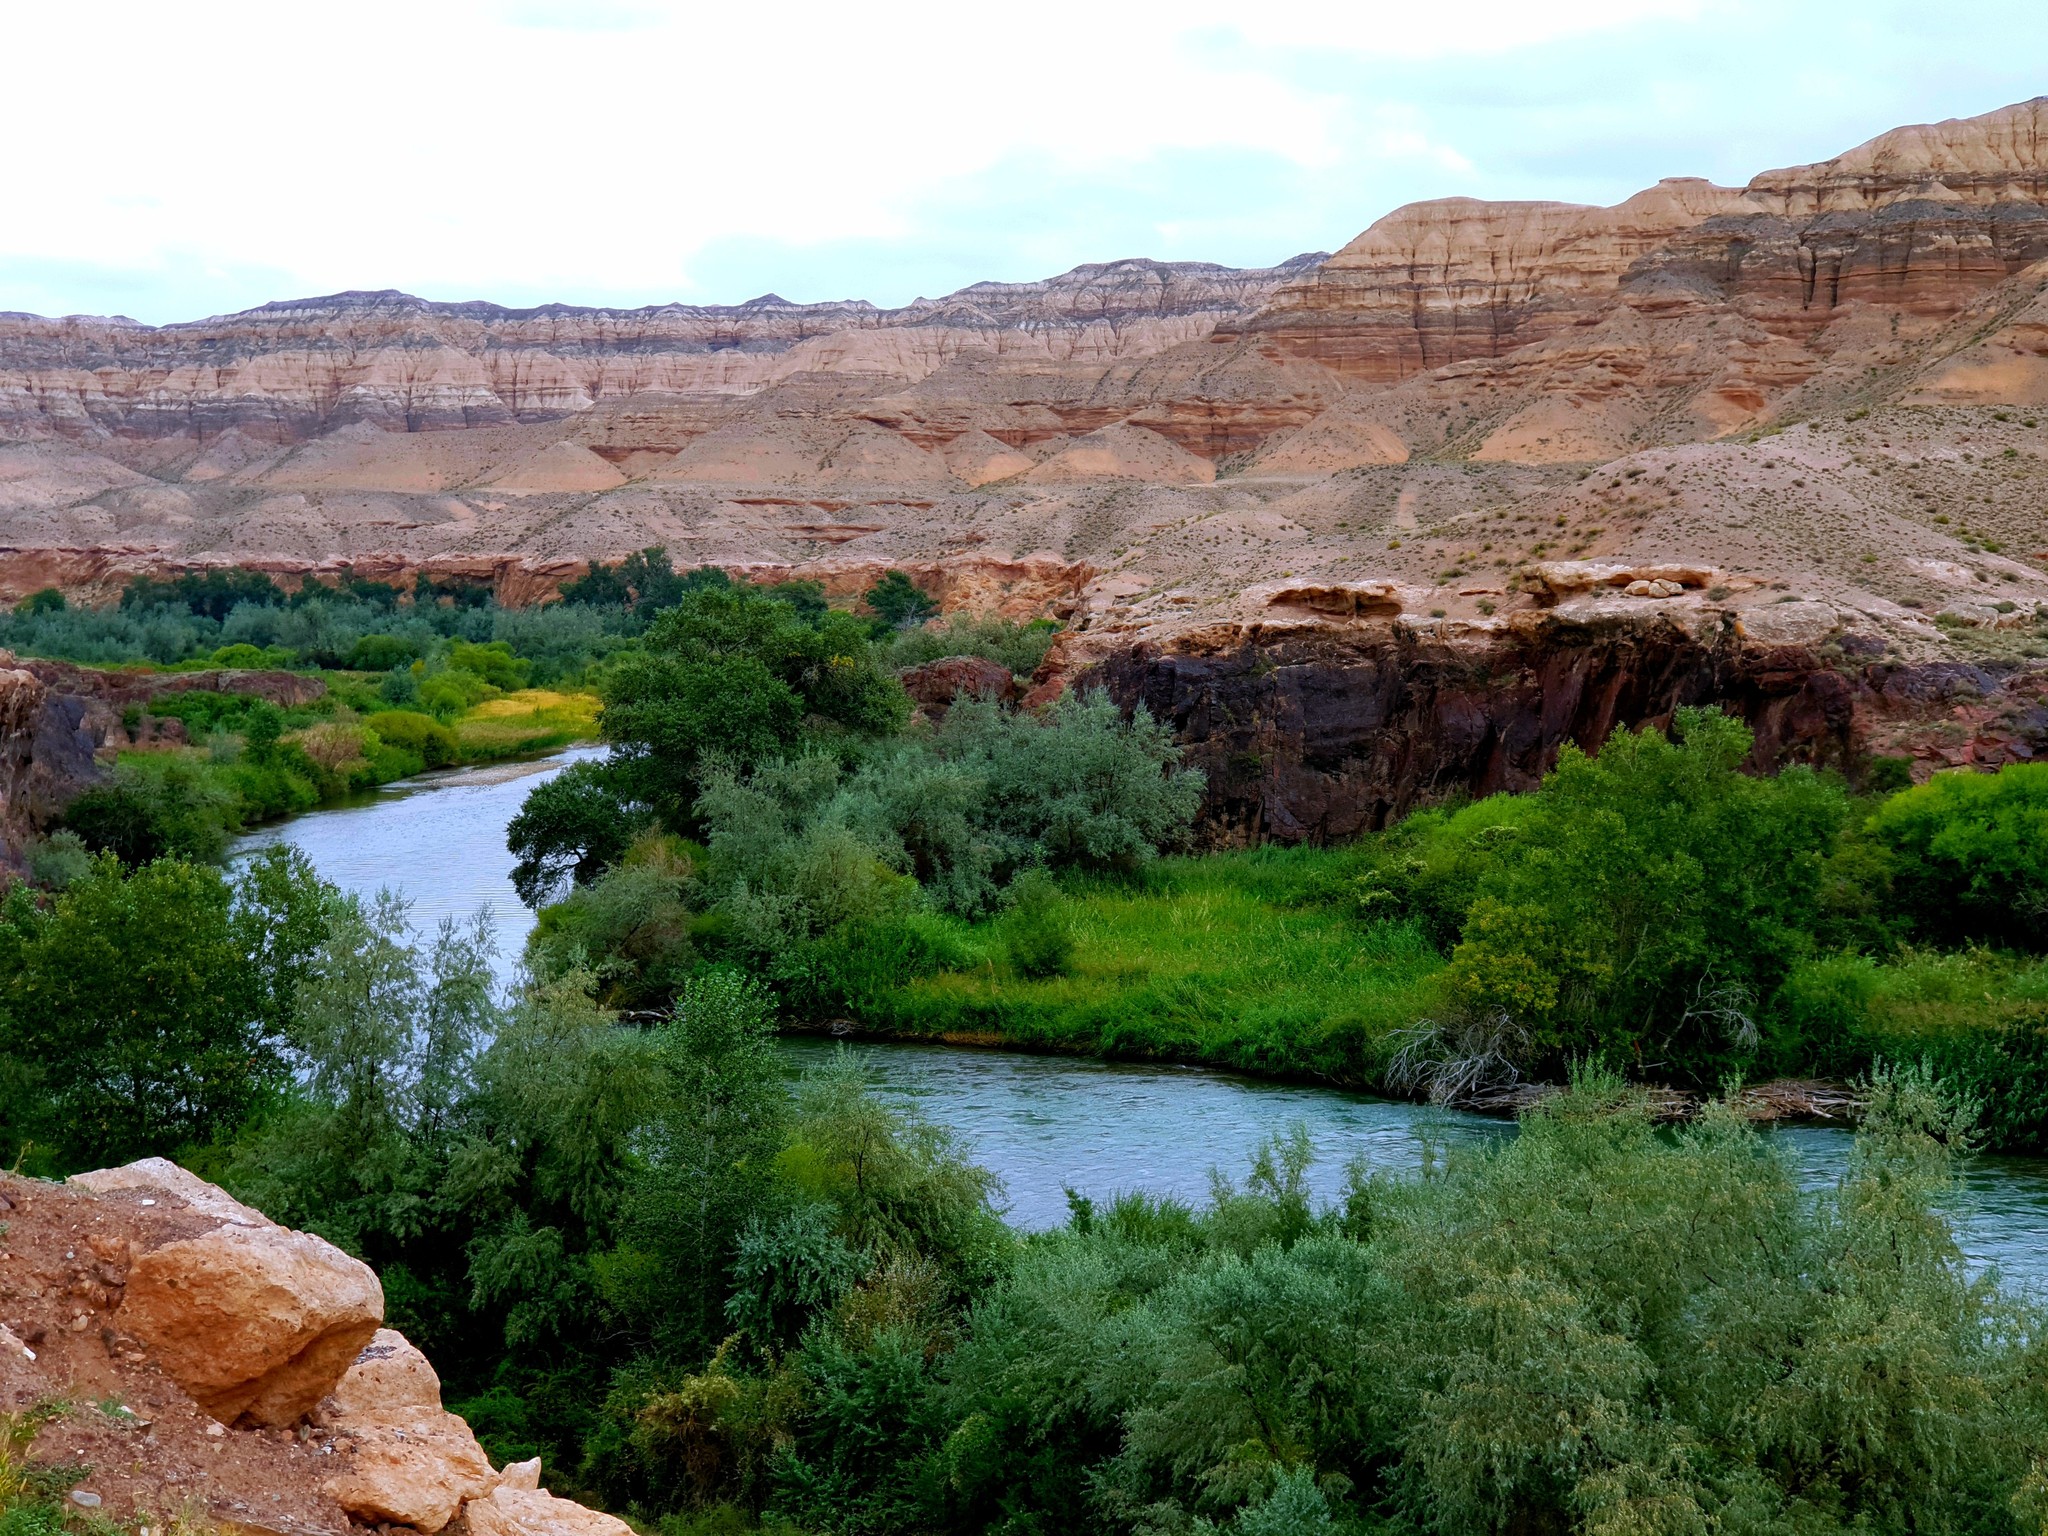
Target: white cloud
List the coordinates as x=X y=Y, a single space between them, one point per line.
x=601 y=148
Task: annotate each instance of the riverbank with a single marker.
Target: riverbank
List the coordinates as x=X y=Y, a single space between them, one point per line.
x=203 y=767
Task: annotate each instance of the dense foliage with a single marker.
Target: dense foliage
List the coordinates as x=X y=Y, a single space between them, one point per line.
x=142 y=1010
x=721 y=1297
x=715 y=1295
x=831 y=837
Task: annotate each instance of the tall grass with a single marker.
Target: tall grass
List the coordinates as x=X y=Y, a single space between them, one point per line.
x=1229 y=960
x=528 y=721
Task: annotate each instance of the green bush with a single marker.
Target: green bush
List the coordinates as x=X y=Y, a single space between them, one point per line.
x=897 y=603
x=46 y=600
x=1651 y=901
x=381 y=653
x=1037 y=932
x=1970 y=856
x=422 y=735
x=243 y=654
x=1020 y=647
x=493 y=662
x=144 y=1010
x=157 y=807
x=1083 y=789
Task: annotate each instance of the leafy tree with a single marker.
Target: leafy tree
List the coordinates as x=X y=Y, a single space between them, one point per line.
x=732 y=675
x=45 y=600
x=643 y=583
x=897 y=603
x=1650 y=899
x=1969 y=855
x=711 y=1150
x=380 y=653
x=166 y=809
x=145 y=1010
x=572 y=827
x=1085 y=789
x=208 y=594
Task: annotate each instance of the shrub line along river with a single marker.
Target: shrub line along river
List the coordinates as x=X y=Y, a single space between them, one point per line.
x=1043 y=1124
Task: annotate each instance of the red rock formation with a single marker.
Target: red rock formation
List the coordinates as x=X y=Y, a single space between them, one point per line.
x=935 y=685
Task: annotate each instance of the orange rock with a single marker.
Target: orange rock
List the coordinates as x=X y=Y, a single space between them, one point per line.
x=510 y=1511
x=414 y=1463
x=257 y=1322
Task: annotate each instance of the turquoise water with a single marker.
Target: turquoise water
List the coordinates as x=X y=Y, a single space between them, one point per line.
x=1045 y=1124
x=437 y=840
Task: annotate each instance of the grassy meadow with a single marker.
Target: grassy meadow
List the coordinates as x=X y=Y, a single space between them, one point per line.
x=1233 y=959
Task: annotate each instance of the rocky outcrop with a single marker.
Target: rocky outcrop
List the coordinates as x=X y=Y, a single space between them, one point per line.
x=240 y=1372
x=516 y=1511
x=413 y=1463
x=1320 y=732
x=47 y=747
x=934 y=686
x=255 y=1321
x=1922 y=218
x=1442 y=282
x=58 y=720
x=287 y=690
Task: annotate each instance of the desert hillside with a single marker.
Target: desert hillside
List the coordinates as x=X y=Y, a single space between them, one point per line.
x=1810 y=402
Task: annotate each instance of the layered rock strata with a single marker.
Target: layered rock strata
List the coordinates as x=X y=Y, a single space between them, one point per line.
x=291 y=371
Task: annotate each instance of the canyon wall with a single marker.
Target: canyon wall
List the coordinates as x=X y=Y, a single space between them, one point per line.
x=1826 y=388
x=1319 y=733
x=285 y=372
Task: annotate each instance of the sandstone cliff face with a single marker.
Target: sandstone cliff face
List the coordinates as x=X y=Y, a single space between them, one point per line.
x=1922 y=219
x=289 y=371
x=1442 y=282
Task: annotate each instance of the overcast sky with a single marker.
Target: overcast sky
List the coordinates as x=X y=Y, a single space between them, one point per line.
x=170 y=161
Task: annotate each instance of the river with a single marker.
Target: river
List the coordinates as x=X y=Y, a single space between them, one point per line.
x=1045 y=1124
x=437 y=840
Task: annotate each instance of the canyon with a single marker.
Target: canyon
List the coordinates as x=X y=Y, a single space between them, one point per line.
x=1780 y=430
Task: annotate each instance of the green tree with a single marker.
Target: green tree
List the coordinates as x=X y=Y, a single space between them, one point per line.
x=46 y=600
x=1084 y=788
x=897 y=602
x=1969 y=855
x=731 y=675
x=711 y=1146
x=573 y=827
x=1651 y=899
x=144 y=1010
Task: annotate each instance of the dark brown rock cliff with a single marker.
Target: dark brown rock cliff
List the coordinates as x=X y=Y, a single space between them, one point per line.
x=1319 y=733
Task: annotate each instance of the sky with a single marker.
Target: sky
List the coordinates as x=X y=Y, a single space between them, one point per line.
x=193 y=159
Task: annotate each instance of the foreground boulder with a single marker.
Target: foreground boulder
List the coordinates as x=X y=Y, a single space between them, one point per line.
x=414 y=1462
x=515 y=1510
x=255 y=1321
